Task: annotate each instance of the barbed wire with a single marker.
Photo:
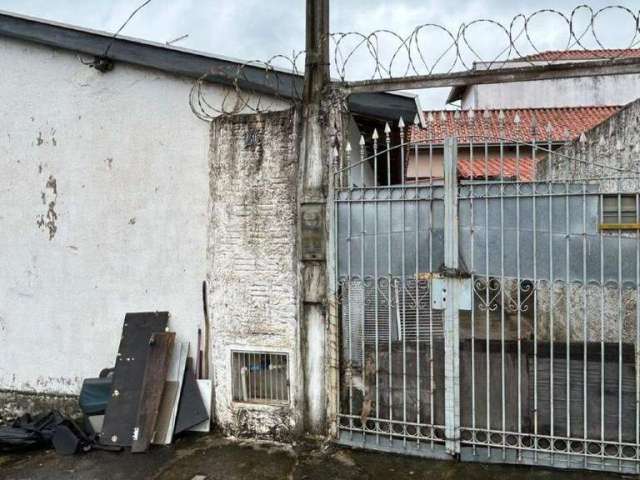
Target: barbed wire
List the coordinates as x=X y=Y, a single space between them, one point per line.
x=386 y=54
x=281 y=87
x=430 y=48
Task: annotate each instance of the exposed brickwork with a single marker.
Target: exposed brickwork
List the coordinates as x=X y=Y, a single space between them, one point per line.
x=252 y=259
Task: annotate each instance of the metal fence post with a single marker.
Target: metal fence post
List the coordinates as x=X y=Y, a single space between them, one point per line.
x=451 y=299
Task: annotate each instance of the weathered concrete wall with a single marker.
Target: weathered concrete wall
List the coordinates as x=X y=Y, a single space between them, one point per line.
x=569 y=92
x=15 y=404
x=253 y=281
x=103 y=210
x=611 y=150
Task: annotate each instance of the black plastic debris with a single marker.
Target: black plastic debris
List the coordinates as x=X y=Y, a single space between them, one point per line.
x=44 y=431
x=27 y=432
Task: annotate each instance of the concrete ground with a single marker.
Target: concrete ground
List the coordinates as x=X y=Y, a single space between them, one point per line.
x=218 y=458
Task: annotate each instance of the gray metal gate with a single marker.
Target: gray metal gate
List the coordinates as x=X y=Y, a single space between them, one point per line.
x=488 y=301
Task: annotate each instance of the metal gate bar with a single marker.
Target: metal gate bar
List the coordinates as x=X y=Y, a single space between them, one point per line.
x=389 y=329
x=542 y=366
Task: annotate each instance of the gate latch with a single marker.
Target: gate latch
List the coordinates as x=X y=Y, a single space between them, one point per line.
x=443 y=290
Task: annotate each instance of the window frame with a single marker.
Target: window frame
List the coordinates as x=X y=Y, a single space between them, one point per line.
x=625 y=217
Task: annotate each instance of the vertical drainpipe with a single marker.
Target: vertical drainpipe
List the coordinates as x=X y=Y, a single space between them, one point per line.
x=313 y=177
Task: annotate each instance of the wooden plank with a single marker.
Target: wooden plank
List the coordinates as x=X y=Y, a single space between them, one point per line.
x=122 y=408
x=152 y=388
x=164 y=414
x=204 y=385
x=175 y=374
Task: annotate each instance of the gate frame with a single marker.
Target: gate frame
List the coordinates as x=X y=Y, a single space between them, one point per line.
x=451 y=298
x=453 y=289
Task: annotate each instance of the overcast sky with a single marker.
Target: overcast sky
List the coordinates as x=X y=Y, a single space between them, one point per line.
x=259 y=29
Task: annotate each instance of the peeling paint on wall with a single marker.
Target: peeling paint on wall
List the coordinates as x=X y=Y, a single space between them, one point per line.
x=47 y=221
x=42 y=139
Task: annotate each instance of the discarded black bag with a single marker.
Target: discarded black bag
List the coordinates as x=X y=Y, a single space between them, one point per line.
x=51 y=429
x=27 y=432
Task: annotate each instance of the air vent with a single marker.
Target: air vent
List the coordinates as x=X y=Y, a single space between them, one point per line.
x=260 y=377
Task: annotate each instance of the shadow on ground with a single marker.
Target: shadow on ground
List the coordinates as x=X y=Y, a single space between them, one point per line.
x=222 y=459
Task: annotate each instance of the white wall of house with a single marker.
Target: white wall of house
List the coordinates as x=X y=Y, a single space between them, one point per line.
x=569 y=92
x=104 y=193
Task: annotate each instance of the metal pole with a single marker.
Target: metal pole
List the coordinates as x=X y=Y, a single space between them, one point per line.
x=451 y=315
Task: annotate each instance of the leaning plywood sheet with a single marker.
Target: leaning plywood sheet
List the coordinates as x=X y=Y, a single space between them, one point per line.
x=152 y=388
x=169 y=410
x=122 y=408
x=204 y=385
x=192 y=410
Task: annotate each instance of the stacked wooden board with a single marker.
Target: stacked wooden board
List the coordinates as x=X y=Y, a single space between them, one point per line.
x=155 y=394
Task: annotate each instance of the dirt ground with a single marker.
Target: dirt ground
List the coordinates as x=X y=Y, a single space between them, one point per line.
x=218 y=458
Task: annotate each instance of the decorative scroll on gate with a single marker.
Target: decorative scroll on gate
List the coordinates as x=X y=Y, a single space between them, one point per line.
x=543 y=367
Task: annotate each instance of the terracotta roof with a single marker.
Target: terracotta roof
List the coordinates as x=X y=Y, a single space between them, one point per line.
x=509 y=167
x=603 y=54
x=511 y=125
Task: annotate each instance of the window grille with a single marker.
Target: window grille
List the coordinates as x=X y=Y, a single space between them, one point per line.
x=619 y=212
x=260 y=377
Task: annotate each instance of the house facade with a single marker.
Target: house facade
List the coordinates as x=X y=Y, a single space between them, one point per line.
x=118 y=198
x=115 y=198
x=566 y=92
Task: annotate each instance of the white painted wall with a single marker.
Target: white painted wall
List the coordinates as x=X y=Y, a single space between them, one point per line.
x=570 y=92
x=130 y=163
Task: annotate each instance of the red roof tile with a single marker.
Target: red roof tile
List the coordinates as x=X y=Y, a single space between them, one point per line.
x=511 y=125
x=493 y=167
x=603 y=54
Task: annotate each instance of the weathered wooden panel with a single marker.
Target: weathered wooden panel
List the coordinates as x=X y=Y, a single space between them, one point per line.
x=153 y=383
x=122 y=409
